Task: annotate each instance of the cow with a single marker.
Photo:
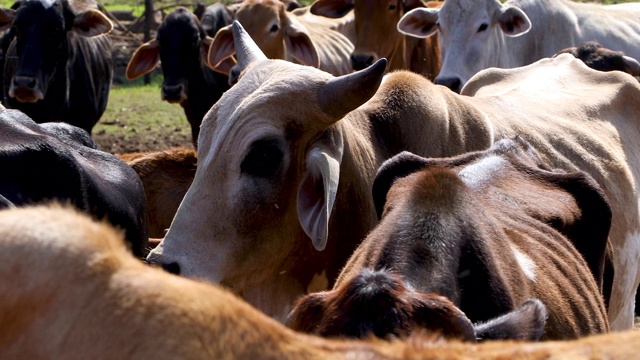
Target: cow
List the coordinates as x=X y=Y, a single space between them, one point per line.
x=284 y=35
x=72 y=291
x=58 y=65
x=57 y=161
x=377 y=36
x=166 y=175
x=181 y=45
x=280 y=198
x=600 y=58
x=487 y=230
x=476 y=35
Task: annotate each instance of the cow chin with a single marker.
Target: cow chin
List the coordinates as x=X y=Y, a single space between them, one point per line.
x=26 y=95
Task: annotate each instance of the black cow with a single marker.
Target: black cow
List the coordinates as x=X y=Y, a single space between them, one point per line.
x=600 y=58
x=181 y=45
x=58 y=161
x=57 y=67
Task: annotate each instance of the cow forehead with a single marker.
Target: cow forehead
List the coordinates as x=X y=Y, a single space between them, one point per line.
x=45 y=3
x=272 y=91
x=483 y=172
x=456 y=12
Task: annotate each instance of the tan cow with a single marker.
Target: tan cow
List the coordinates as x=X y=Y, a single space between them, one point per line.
x=487 y=230
x=70 y=290
x=284 y=35
x=166 y=176
x=377 y=36
x=289 y=156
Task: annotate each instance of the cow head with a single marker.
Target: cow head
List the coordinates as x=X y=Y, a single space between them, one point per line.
x=181 y=44
x=379 y=303
x=276 y=32
x=41 y=29
x=470 y=32
x=376 y=21
x=599 y=58
x=269 y=156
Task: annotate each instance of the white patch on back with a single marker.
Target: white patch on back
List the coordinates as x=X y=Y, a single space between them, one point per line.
x=482 y=172
x=526 y=264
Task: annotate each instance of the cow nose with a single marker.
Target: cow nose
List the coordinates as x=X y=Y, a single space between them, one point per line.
x=361 y=61
x=452 y=83
x=172 y=92
x=24 y=82
x=172 y=268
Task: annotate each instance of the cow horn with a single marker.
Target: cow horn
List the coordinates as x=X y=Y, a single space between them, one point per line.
x=345 y=93
x=246 y=49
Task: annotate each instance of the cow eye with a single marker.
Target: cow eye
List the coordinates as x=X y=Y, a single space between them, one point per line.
x=274 y=28
x=392 y=7
x=483 y=27
x=264 y=159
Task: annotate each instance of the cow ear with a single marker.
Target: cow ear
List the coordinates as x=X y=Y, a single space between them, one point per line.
x=631 y=65
x=223 y=66
x=92 y=23
x=395 y=168
x=589 y=231
x=331 y=8
x=420 y=22
x=300 y=46
x=307 y=313
x=220 y=53
x=525 y=323
x=143 y=60
x=513 y=21
x=319 y=186
x=6 y=18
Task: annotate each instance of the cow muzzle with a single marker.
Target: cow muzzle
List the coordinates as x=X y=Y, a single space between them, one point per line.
x=452 y=83
x=361 y=61
x=173 y=93
x=25 y=89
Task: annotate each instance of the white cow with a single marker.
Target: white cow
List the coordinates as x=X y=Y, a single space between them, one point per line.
x=478 y=34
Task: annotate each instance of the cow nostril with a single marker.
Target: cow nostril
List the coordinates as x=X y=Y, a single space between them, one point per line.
x=452 y=83
x=361 y=61
x=172 y=268
x=25 y=81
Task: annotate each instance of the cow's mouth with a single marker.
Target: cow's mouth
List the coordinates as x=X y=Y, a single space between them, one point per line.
x=26 y=95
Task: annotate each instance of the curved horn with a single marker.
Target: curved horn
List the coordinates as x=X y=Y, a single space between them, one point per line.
x=343 y=94
x=246 y=49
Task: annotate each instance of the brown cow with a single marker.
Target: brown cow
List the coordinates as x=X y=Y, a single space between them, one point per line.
x=288 y=158
x=487 y=230
x=377 y=36
x=284 y=35
x=166 y=176
x=72 y=291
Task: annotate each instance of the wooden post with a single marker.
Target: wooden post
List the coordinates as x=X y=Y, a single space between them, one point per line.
x=148 y=18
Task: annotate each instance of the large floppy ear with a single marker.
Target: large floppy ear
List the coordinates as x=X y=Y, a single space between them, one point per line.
x=631 y=65
x=221 y=50
x=588 y=231
x=395 y=168
x=6 y=18
x=223 y=66
x=331 y=8
x=247 y=51
x=144 y=59
x=513 y=21
x=525 y=323
x=299 y=44
x=420 y=22
x=319 y=186
x=92 y=23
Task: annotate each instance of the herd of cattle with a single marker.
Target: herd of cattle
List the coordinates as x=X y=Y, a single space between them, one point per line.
x=360 y=188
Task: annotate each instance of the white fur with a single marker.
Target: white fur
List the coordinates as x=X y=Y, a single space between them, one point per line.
x=479 y=174
x=526 y=264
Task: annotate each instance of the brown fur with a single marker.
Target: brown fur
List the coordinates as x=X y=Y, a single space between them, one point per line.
x=72 y=291
x=166 y=176
x=456 y=228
